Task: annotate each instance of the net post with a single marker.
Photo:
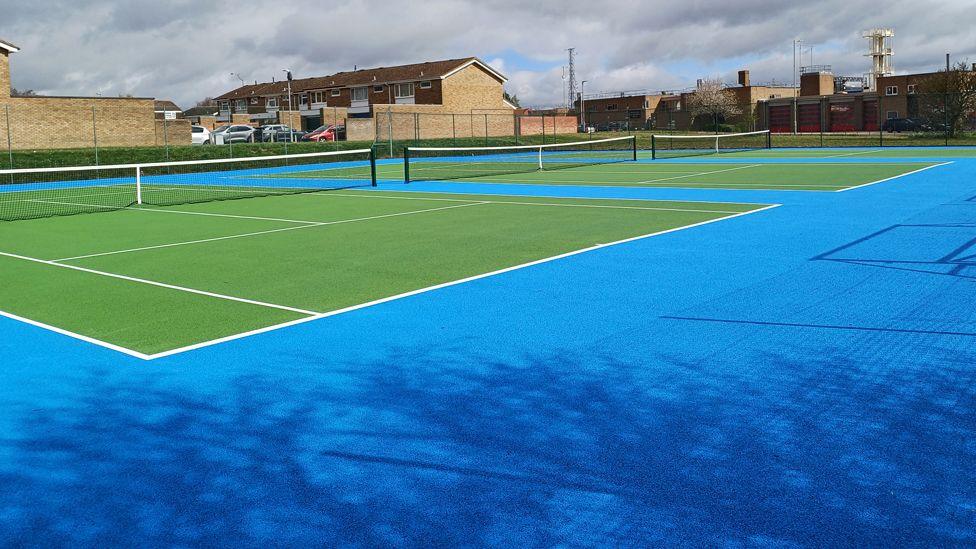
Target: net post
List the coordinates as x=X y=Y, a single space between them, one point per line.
x=540 y=158
x=372 y=165
x=653 y=148
x=633 y=144
x=406 y=165
x=139 y=185
x=769 y=139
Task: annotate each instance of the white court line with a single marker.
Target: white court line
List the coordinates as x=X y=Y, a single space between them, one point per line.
x=650 y=208
x=159 y=210
x=851 y=154
x=158 y=284
x=895 y=177
x=269 y=231
x=804 y=187
x=75 y=335
x=701 y=173
x=445 y=285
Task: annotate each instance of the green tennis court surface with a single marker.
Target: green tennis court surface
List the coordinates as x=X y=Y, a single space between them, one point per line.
x=153 y=279
x=852 y=153
x=718 y=175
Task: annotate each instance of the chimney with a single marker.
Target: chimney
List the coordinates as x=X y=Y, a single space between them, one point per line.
x=744 y=78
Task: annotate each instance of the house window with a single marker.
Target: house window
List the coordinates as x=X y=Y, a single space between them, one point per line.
x=359 y=94
x=403 y=90
x=335 y=93
x=272 y=103
x=378 y=89
x=303 y=99
x=425 y=85
x=240 y=105
x=911 y=88
x=611 y=106
x=317 y=97
x=891 y=114
x=225 y=106
x=634 y=114
x=891 y=90
x=647 y=104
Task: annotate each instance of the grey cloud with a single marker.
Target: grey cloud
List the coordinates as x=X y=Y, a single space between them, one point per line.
x=185 y=49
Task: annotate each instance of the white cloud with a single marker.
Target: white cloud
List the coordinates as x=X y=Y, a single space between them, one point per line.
x=185 y=49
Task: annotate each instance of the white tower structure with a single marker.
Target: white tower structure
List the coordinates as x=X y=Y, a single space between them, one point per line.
x=879 y=50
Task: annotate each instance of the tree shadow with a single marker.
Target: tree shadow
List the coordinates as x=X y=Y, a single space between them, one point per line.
x=445 y=447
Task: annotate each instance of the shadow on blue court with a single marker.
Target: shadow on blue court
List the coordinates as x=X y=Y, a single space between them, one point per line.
x=801 y=376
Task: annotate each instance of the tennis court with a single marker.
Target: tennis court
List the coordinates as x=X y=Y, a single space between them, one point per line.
x=167 y=262
x=674 y=161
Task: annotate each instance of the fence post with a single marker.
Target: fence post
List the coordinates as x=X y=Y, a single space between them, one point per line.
x=95 y=133
x=10 y=145
x=166 y=136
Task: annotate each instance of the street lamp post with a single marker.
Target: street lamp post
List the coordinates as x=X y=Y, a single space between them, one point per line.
x=583 y=106
x=291 y=122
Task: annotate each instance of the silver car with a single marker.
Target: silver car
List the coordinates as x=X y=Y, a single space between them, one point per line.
x=234 y=133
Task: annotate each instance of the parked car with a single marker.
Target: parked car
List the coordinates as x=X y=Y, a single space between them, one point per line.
x=199 y=135
x=235 y=133
x=327 y=132
x=280 y=132
x=898 y=125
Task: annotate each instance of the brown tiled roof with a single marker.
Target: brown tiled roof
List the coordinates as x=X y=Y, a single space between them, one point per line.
x=163 y=105
x=364 y=77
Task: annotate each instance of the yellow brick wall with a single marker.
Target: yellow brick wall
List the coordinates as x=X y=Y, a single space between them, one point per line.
x=473 y=90
x=4 y=75
x=173 y=132
x=67 y=122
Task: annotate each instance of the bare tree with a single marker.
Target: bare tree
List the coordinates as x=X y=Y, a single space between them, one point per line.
x=14 y=92
x=713 y=101
x=949 y=98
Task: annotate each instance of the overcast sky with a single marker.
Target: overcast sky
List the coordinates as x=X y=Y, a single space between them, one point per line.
x=185 y=50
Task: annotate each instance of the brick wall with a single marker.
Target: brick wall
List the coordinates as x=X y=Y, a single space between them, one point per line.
x=4 y=75
x=71 y=122
x=472 y=89
x=547 y=125
x=360 y=129
x=173 y=132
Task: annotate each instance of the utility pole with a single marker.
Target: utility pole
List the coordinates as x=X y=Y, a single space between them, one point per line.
x=571 y=84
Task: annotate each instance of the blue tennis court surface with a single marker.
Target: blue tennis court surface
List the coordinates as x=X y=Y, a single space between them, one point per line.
x=803 y=375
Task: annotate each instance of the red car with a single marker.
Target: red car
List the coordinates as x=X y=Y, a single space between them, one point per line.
x=326 y=133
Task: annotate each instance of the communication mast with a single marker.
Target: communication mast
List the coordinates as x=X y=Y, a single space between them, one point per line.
x=571 y=84
x=879 y=50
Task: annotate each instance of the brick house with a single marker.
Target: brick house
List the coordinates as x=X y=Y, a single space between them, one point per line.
x=818 y=108
x=456 y=86
x=37 y=121
x=666 y=110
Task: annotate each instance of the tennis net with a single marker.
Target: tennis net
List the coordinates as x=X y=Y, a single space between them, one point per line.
x=673 y=146
x=46 y=192
x=444 y=163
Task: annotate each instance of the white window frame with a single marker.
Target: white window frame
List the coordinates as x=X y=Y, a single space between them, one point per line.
x=361 y=92
x=336 y=92
x=240 y=105
x=397 y=90
x=891 y=115
x=891 y=90
x=378 y=88
x=317 y=97
x=271 y=103
x=611 y=106
x=912 y=89
x=425 y=85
